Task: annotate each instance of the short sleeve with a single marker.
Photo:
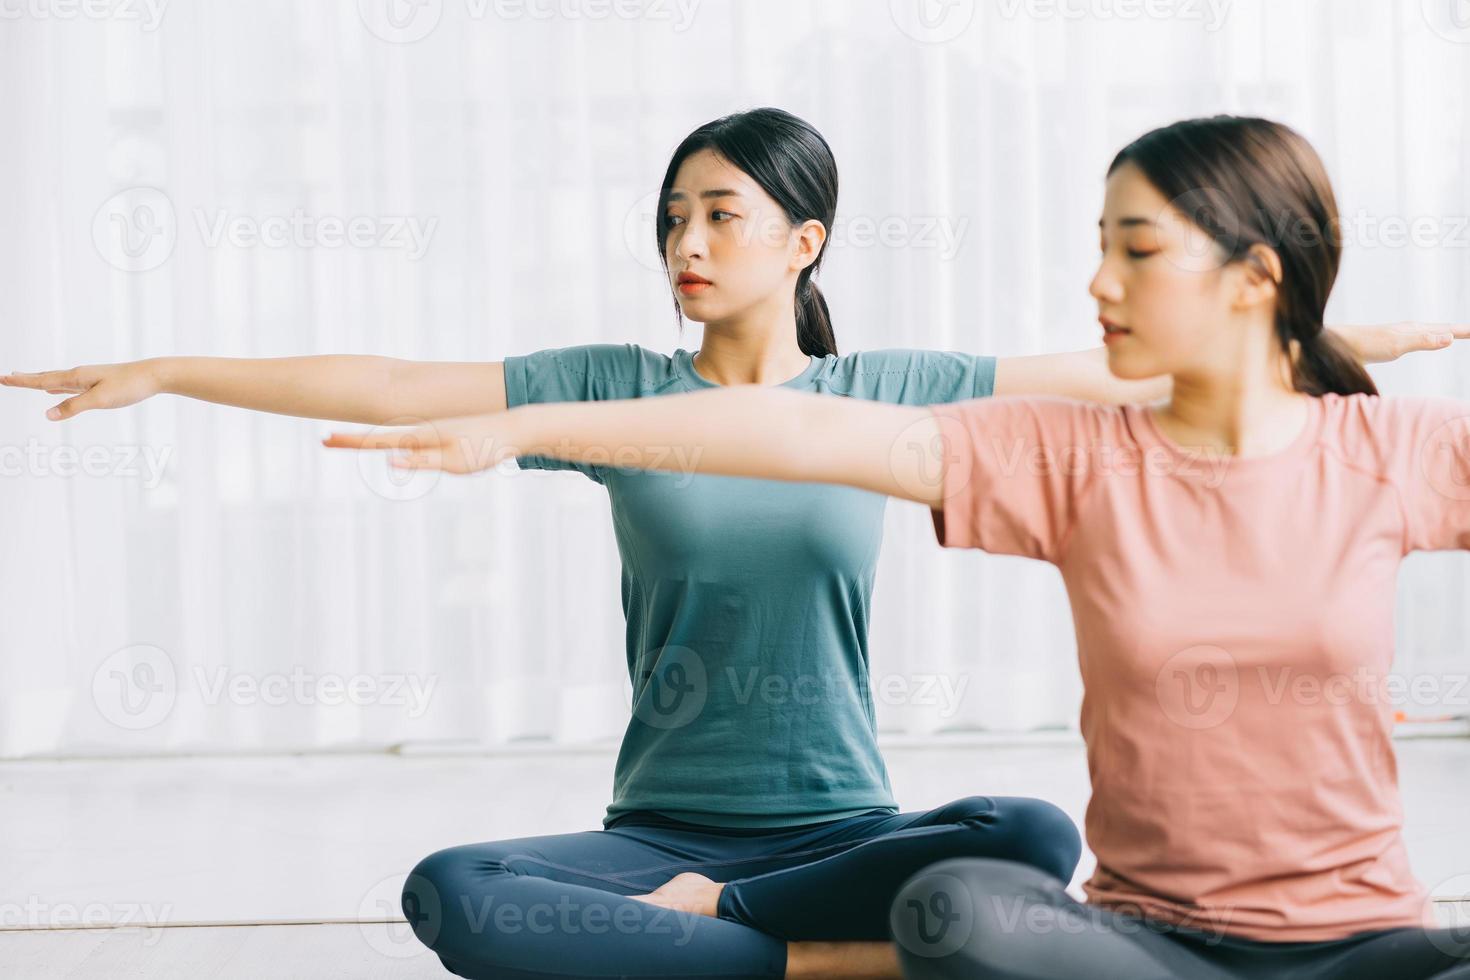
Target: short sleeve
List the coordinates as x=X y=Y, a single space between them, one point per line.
x=1015 y=471
x=914 y=377
x=591 y=372
x=1429 y=440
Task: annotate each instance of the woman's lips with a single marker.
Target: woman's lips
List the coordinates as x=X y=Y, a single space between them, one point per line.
x=693 y=288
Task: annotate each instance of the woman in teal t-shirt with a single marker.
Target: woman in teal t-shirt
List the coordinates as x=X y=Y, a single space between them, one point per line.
x=751 y=757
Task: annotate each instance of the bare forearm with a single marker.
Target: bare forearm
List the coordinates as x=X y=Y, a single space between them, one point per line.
x=749 y=430
x=344 y=387
x=1083 y=375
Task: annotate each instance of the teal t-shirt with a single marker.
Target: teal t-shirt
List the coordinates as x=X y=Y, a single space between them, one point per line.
x=746 y=600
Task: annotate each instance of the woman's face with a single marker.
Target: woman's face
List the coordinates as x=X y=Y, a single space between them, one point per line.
x=1162 y=282
x=729 y=232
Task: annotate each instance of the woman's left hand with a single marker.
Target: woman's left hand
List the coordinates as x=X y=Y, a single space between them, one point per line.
x=467 y=444
x=1379 y=343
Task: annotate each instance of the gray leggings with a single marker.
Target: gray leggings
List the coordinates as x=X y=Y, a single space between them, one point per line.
x=984 y=919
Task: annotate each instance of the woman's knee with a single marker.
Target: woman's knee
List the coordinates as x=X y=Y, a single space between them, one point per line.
x=444 y=895
x=942 y=914
x=1023 y=829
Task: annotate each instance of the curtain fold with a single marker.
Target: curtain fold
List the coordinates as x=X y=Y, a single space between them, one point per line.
x=468 y=180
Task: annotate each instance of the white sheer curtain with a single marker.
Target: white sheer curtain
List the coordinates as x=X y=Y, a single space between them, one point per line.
x=468 y=179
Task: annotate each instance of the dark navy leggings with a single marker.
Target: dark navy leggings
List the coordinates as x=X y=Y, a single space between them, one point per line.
x=998 y=920
x=543 y=907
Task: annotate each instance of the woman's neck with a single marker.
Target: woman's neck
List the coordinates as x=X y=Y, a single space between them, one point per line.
x=758 y=348
x=1243 y=403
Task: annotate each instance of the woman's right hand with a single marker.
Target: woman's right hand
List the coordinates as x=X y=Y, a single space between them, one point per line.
x=94 y=385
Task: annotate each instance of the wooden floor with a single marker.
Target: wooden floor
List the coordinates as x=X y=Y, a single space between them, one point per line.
x=199 y=864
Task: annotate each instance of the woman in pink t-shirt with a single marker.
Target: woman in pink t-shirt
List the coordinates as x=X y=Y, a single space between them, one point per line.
x=1230 y=558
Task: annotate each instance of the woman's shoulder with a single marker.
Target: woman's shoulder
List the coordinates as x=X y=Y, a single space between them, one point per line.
x=1376 y=429
x=910 y=376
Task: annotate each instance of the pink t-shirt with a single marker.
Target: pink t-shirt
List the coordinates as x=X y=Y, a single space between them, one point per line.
x=1235 y=635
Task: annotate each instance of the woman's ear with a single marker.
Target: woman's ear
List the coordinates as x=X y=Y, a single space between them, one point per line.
x=1262 y=268
x=809 y=238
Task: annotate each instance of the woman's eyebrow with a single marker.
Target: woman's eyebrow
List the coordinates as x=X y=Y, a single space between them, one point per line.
x=706 y=195
x=1130 y=222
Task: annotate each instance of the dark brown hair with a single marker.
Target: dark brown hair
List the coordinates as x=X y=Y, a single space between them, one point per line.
x=791 y=162
x=1245 y=182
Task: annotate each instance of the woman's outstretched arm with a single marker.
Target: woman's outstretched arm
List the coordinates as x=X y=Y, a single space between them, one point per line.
x=345 y=387
x=742 y=430
x=1084 y=374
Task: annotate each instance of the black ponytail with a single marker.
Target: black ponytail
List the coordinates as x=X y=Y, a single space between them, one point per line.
x=813 y=322
x=1325 y=364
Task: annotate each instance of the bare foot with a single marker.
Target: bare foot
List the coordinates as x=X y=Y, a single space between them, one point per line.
x=687 y=892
